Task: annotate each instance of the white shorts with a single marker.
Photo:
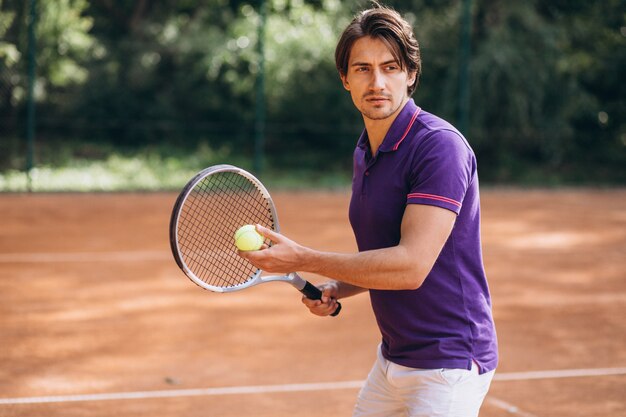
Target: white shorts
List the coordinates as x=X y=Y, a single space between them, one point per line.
x=393 y=390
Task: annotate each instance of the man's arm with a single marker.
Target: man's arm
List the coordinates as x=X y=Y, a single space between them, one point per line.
x=424 y=231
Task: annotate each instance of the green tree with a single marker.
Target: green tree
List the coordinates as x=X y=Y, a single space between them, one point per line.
x=11 y=79
x=546 y=93
x=593 y=62
x=63 y=44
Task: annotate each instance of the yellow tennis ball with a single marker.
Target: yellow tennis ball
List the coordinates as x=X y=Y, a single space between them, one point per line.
x=247 y=238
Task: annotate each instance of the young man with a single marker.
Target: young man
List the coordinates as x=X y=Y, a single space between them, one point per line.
x=416 y=218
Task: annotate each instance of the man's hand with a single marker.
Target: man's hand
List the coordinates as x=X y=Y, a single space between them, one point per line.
x=328 y=304
x=284 y=256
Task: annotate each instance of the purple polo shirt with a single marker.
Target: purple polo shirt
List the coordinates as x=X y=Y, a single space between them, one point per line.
x=447 y=322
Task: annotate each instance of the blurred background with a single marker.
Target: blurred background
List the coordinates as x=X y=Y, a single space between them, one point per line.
x=99 y=95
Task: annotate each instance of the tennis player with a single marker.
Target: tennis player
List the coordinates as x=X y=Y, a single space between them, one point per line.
x=416 y=217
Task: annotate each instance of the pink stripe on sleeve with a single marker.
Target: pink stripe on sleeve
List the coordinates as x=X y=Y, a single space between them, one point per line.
x=434 y=197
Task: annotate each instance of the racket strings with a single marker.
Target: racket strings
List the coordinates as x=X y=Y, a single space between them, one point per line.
x=216 y=207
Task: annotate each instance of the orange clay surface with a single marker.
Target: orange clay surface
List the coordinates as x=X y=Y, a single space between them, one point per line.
x=91 y=302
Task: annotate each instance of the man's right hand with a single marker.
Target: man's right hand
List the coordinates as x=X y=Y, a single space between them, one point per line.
x=328 y=304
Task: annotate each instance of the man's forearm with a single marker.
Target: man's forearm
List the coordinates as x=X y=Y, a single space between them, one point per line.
x=345 y=290
x=389 y=268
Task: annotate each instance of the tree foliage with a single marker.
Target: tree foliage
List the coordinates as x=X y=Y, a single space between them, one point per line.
x=547 y=99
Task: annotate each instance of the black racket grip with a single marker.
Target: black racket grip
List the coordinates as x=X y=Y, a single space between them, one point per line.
x=314 y=293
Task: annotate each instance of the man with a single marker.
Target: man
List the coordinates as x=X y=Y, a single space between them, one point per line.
x=416 y=218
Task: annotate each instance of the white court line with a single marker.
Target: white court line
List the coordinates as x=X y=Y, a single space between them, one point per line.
x=63 y=257
x=561 y=373
x=253 y=389
x=509 y=408
x=319 y=386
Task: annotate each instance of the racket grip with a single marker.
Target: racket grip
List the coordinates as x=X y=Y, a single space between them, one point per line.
x=314 y=293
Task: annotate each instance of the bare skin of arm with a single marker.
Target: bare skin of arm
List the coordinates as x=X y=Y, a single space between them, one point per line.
x=424 y=231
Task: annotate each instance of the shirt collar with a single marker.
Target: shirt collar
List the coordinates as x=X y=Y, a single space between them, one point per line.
x=397 y=132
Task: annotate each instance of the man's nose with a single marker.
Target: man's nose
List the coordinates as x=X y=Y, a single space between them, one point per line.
x=377 y=81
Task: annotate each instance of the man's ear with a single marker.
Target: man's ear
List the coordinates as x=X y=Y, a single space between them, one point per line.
x=344 y=81
x=412 y=79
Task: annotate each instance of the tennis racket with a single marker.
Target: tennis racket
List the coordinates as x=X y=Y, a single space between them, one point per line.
x=210 y=208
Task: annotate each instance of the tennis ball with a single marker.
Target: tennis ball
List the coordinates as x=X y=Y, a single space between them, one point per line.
x=247 y=238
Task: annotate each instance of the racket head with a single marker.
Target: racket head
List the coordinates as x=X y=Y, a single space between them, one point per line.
x=210 y=208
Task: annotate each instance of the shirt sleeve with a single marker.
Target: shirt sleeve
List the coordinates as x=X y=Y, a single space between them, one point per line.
x=442 y=169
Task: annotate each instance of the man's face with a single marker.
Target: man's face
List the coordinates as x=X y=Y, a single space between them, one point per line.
x=376 y=83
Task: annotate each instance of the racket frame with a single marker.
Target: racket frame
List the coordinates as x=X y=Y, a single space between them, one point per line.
x=257 y=278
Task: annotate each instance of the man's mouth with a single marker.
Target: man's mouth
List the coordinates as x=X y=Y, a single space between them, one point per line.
x=376 y=99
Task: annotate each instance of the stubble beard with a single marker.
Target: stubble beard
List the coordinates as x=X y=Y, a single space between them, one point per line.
x=380 y=113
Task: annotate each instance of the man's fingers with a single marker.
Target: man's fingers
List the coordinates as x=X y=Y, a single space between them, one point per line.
x=311 y=303
x=325 y=301
x=268 y=233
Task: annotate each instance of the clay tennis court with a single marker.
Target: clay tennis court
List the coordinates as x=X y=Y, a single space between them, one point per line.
x=96 y=319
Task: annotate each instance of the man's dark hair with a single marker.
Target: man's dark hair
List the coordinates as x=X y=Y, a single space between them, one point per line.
x=385 y=24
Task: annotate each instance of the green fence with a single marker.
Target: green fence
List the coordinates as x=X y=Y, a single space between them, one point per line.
x=137 y=95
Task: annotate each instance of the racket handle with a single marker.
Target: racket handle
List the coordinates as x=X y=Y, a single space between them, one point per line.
x=314 y=293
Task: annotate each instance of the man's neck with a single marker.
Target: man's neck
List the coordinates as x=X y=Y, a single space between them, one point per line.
x=377 y=128
x=376 y=131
